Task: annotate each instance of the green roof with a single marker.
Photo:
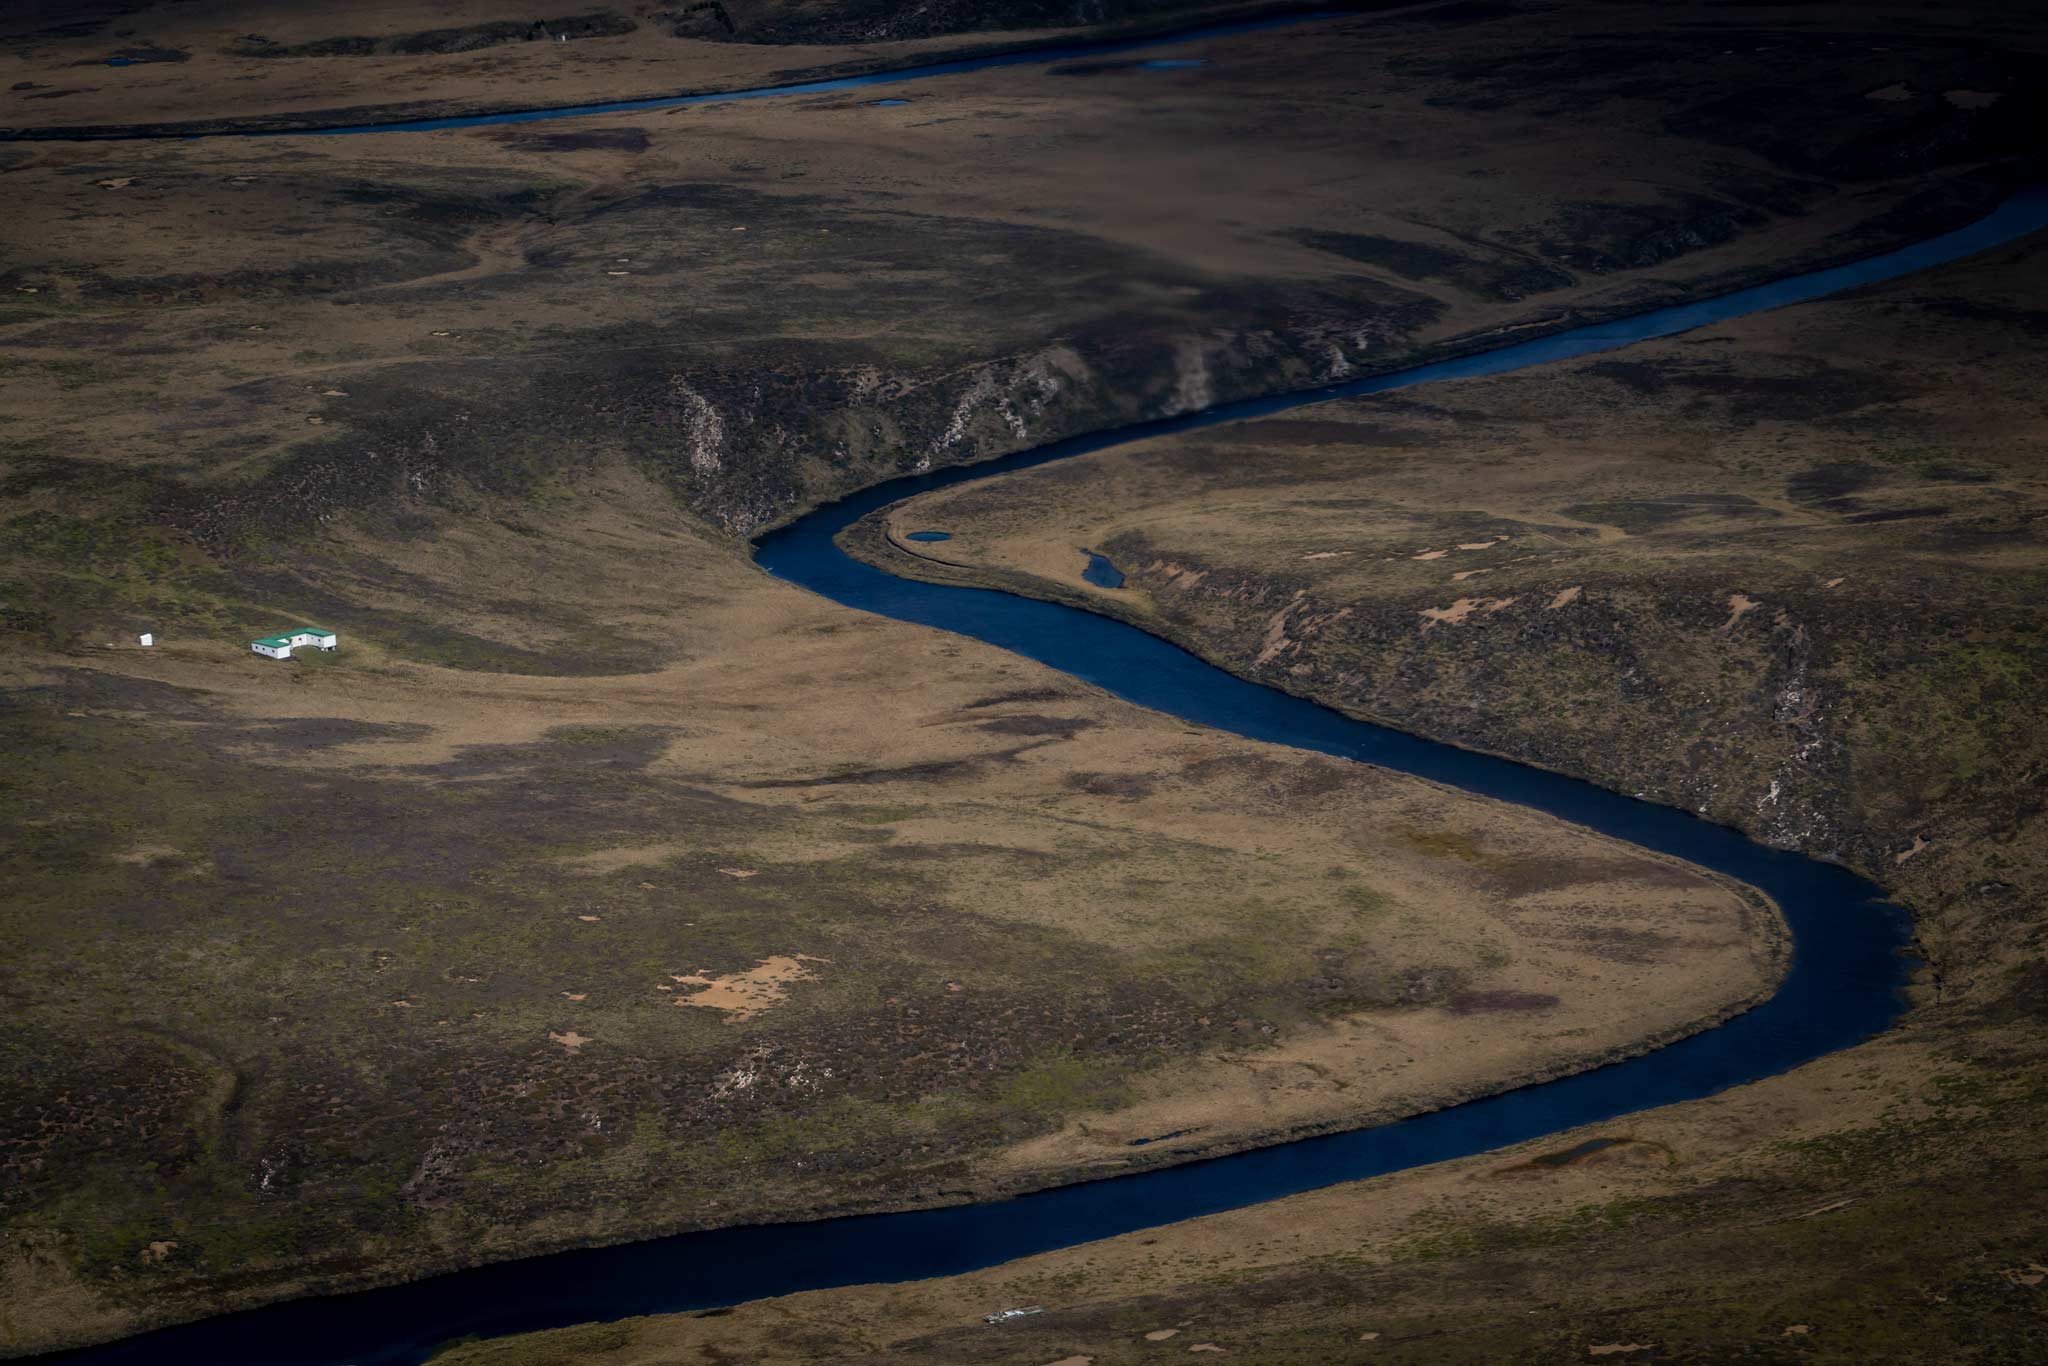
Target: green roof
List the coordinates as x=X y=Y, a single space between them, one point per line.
x=283 y=638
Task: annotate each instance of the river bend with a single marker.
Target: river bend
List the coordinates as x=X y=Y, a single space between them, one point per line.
x=1848 y=967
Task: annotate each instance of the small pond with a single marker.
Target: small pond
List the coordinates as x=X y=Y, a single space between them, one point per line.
x=1101 y=572
x=929 y=536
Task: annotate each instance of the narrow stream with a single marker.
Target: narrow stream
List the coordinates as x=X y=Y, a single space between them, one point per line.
x=1844 y=985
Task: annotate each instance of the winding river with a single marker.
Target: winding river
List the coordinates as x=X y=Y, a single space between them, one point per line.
x=1844 y=984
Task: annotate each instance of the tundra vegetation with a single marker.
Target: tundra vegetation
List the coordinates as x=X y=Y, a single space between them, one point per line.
x=600 y=886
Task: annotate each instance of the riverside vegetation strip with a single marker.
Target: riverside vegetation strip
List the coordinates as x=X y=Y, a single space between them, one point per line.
x=463 y=499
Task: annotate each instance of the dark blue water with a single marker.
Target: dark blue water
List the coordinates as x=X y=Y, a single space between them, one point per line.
x=1172 y=63
x=888 y=104
x=929 y=536
x=1843 y=985
x=1101 y=572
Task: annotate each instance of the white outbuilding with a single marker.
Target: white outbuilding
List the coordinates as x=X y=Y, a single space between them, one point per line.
x=281 y=645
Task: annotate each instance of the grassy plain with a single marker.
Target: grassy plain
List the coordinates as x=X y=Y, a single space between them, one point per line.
x=353 y=968
x=358 y=966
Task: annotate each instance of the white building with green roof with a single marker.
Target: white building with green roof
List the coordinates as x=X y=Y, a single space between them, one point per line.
x=281 y=645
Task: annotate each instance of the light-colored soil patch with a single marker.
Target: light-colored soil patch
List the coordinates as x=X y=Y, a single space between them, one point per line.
x=1565 y=598
x=1919 y=843
x=1609 y=1349
x=743 y=995
x=600 y=861
x=148 y=853
x=1461 y=610
x=571 y=1040
x=1161 y=1334
x=1739 y=606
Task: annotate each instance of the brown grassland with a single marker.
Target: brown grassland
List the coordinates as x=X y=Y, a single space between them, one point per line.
x=602 y=886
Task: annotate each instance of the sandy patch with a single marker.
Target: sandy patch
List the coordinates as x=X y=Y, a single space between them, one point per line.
x=1161 y=1334
x=1464 y=574
x=1894 y=93
x=1205 y=1347
x=1430 y=555
x=1072 y=1361
x=2030 y=1275
x=743 y=995
x=1565 y=598
x=1324 y=554
x=1481 y=545
x=571 y=1040
x=1919 y=843
x=1798 y=1330
x=1454 y=614
x=1463 y=608
x=1971 y=99
x=1608 y=1349
x=739 y=872
x=590 y=919
x=157 y=1252
x=1739 y=605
